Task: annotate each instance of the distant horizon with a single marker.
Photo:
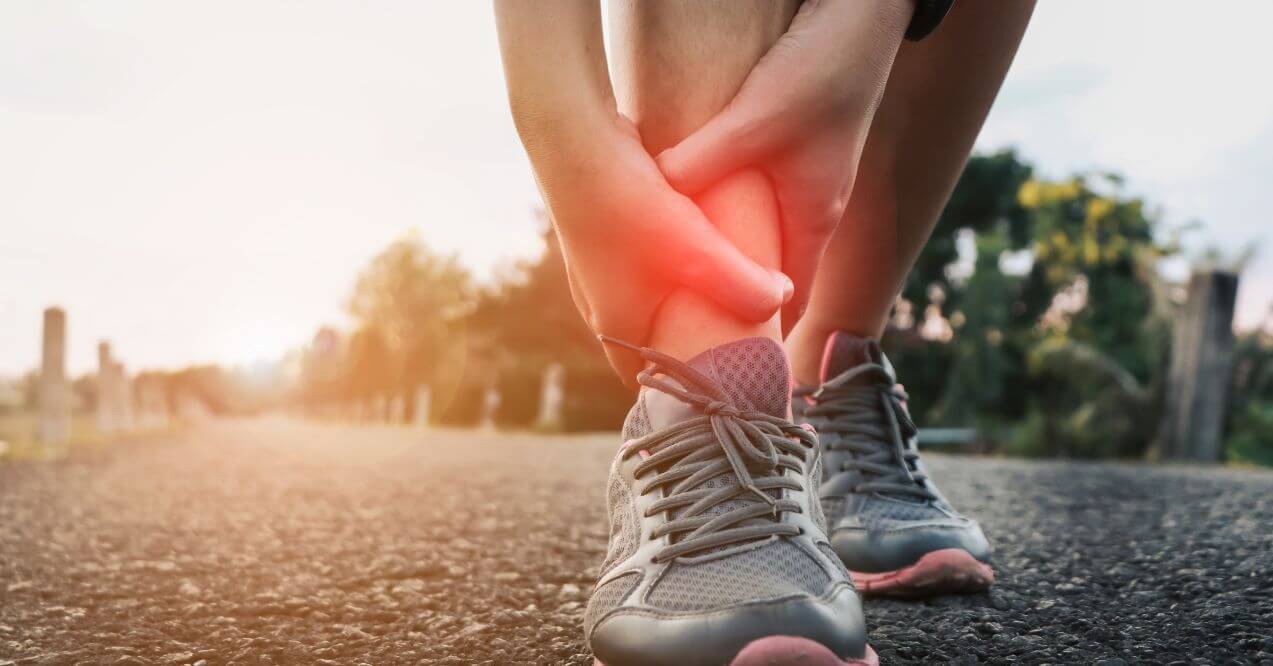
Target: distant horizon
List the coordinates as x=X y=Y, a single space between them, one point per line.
x=213 y=205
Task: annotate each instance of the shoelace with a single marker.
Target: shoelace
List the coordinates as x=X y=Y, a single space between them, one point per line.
x=877 y=446
x=755 y=447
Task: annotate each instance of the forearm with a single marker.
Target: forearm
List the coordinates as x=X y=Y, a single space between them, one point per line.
x=554 y=67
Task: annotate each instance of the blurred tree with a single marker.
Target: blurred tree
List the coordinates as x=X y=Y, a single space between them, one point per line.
x=984 y=199
x=1251 y=426
x=988 y=370
x=1107 y=242
x=1054 y=354
x=530 y=316
x=1101 y=355
x=409 y=303
x=322 y=372
x=371 y=370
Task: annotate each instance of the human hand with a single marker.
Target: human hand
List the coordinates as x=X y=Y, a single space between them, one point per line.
x=802 y=116
x=629 y=239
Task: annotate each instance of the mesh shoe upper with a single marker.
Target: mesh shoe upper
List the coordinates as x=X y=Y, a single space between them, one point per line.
x=712 y=518
x=881 y=508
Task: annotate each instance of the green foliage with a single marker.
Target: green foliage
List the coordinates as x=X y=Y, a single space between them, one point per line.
x=988 y=346
x=984 y=199
x=1090 y=405
x=1108 y=242
x=1100 y=341
x=1067 y=358
x=1251 y=440
x=1251 y=428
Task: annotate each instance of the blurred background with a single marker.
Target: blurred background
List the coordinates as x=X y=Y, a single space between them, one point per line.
x=327 y=213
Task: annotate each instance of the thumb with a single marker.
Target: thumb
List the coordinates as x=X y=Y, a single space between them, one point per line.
x=695 y=254
x=731 y=140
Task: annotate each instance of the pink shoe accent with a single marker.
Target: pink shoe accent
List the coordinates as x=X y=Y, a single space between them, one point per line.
x=947 y=571
x=796 y=651
x=792 y=651
x=824 y=367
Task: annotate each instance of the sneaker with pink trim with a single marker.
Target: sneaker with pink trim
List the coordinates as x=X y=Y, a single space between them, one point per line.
x=718 y=549
x=887 y=520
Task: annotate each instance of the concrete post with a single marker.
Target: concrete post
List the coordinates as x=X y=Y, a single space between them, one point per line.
x=1201 y=370
x=54 y=428
x=423 y=403
x=107 y=387
x=490 y=405
x=551 y=395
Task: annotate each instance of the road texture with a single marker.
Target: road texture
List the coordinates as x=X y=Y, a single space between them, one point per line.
x=281 y=543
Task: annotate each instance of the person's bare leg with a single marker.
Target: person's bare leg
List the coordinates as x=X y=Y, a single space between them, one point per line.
x=680 y=62
x=676 y=64
x=937 y=98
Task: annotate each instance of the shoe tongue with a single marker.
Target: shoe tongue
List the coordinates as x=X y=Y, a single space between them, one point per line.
x=845 y=351
x=751 y=373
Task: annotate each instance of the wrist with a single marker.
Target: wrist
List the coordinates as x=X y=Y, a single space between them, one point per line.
x=537 y=116
x=558 y=137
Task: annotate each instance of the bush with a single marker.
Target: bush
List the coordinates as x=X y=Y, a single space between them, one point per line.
x=1251 y=440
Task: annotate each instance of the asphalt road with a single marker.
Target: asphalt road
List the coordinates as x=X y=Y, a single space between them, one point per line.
x=281 y=543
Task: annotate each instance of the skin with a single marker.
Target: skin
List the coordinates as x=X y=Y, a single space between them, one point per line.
x=678 y=64
x=790 y=124
x=801 y=116
x=629 y=239
x=938 y=96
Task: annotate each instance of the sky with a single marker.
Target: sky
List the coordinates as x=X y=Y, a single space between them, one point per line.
x=202 y=182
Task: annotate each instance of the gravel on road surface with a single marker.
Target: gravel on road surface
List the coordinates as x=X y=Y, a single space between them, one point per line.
x=279 y=542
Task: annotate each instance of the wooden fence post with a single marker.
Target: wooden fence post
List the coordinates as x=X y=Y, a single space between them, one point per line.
x=1201 y=370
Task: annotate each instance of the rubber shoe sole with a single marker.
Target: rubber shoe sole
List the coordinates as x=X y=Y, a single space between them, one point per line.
x=792 y=651
x=948 y=571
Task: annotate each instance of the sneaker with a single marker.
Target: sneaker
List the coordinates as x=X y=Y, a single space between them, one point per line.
x=889 y=524
x=718 y=550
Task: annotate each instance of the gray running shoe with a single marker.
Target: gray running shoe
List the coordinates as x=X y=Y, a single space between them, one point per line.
x=718 y=549
x=888 y=522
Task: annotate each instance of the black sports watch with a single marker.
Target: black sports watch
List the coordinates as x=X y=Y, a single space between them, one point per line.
x=928 y=15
